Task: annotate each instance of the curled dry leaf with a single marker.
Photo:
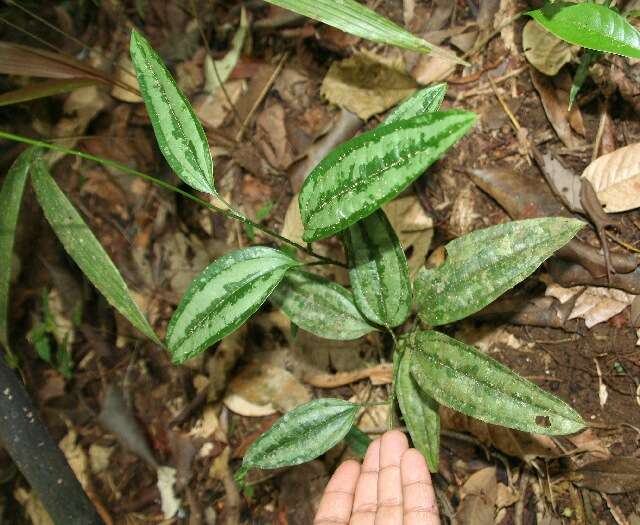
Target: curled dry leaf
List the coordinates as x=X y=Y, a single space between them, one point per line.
x=378 y=375
x=545 y=51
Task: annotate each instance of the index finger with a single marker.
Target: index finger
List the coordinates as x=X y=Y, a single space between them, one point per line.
x=337 y=500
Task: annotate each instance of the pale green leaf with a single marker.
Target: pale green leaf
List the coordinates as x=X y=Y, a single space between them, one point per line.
x=484 y=264
x=463 y=378
x=222 y=297
x=379 y=274
x=320 y=306
x=84 y=248
x=179 y=133
x=361 y=175
x=426 y=100
x=302 y=434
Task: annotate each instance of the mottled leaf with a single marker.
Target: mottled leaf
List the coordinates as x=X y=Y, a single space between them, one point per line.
x=302 y=434
x=426 y=100
x=320 y=306
x=379 y=274
x=222 y=297
x=178 y=131
x=361 y=175
x=84 y=248
x=420 y=413
x=463 y=378
x=590 y=25
x=484 y=264
x=10 y=199
x=358 y=441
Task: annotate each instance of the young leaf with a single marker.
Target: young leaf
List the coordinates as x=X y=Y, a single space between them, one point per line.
x=379 y=274
x=426 y=100
x=484 y=264
x=361 y=175
x=178 y=131
x=590 y=25
x=222 y=297
x=420 y=413
x=462 y=378
x=358 y=441
x=302 y=434
x=320 y=306
x=84 y=248
x=10 y=199
x=587 y=59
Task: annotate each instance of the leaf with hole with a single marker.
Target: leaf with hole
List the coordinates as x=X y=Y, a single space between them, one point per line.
x=590 y=25
x=379 y=274
x=84 y=248
x=484 y=264
x=222 y=297
x=361 y=175
x=179 y=133
x=320 y=306
x=425 y=100
x=302 y=434
x=463 y=378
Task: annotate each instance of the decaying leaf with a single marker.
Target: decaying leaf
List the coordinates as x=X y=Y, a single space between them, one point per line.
x=613 y=476
x=479 y=496
x=378 y=375
x=33 y=507
x=545 y=51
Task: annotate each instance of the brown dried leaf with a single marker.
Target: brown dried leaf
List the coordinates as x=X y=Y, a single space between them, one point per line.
x=379 y=375
x=613 y=476
x=479 y=495
x=545 y=51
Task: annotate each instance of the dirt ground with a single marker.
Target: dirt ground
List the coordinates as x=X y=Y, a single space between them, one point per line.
x=121 y=408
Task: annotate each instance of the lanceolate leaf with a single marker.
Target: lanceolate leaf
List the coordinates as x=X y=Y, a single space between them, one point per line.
x=462 y=378
x=358 y=441
x=361 y=175
x=379 y=273
x=484 y=264
x=224 y=296
x=590 y=25
x=10 y=199
x=320 y=306
x=84 y=248
x=302 y=434
x=426 y=100
x=420 y=413
x=178 y=131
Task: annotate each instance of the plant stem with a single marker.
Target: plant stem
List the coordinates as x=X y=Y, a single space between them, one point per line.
x=230 y=213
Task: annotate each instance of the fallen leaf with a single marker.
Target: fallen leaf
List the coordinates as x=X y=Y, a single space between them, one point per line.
x=565 y=183
x=300 y=492
x=33 y=507
x=506 y=496
x=379 y=375
x=124 y=74
x=76 y=457
x=617 y=475
x=213 y=109
x=292 y=227
x=431 y=68
x=545 y=51
x=271 y=135
x=99 y=458
x=479 y=495
x=169 y=502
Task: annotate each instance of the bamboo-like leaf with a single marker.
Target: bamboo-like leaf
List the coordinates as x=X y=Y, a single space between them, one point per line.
x=590 y=25
x=302 y=434
x=45 y=89
x=379 y=274
x=420 y=412
x=426 y=100
x=484 y=264
x=223 y=297
x=361 y=175
x=10 y=200
x=358 y=441
x=354 y=18
x=178 y=131
x=462 y=378
x=320 y=306
x=84 y=248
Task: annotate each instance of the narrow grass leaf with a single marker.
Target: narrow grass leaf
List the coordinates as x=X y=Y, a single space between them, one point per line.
x=590 y=25
x=426 y=100
x=10 y=200
x=84 y=248
x=223 y=297
x=361 y=175
x=463 y=378
x=379 y=274
x=358 y=441
x=302 y=434
x=45 y=89
x=179 y=133
x=484 y=264
x=320 y=306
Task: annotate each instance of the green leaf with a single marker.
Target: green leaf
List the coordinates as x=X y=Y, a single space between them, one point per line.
x=484 y=264
x=358 y=441
x=10 y=200
x=354 y=18
x=361 y=175
x=320 y=306
x=420 y=413
x=590 y=25
x=426 y=100
x=84 y=248
x=462 y=378
x=588 y=58
x=222 y=297
x=178 y=131
x=302 y=434
x=379 y=274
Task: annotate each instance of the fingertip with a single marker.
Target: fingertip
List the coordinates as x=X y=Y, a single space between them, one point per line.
x=393 y=444
x=345 y=476
x=413 y=466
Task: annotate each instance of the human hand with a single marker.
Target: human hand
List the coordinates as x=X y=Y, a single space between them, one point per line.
x=393 y=487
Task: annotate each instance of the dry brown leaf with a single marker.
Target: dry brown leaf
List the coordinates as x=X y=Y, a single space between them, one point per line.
x=272 y=137
x=545 y=51
x=613 y=476
x=506 y=496
x=124 y=74
x=379 y=375
x=213 y=110
x=616 y=178
x=479 y=495
x=76 y=457
x=33 y=507
x=432 y=68
x=292 y=227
